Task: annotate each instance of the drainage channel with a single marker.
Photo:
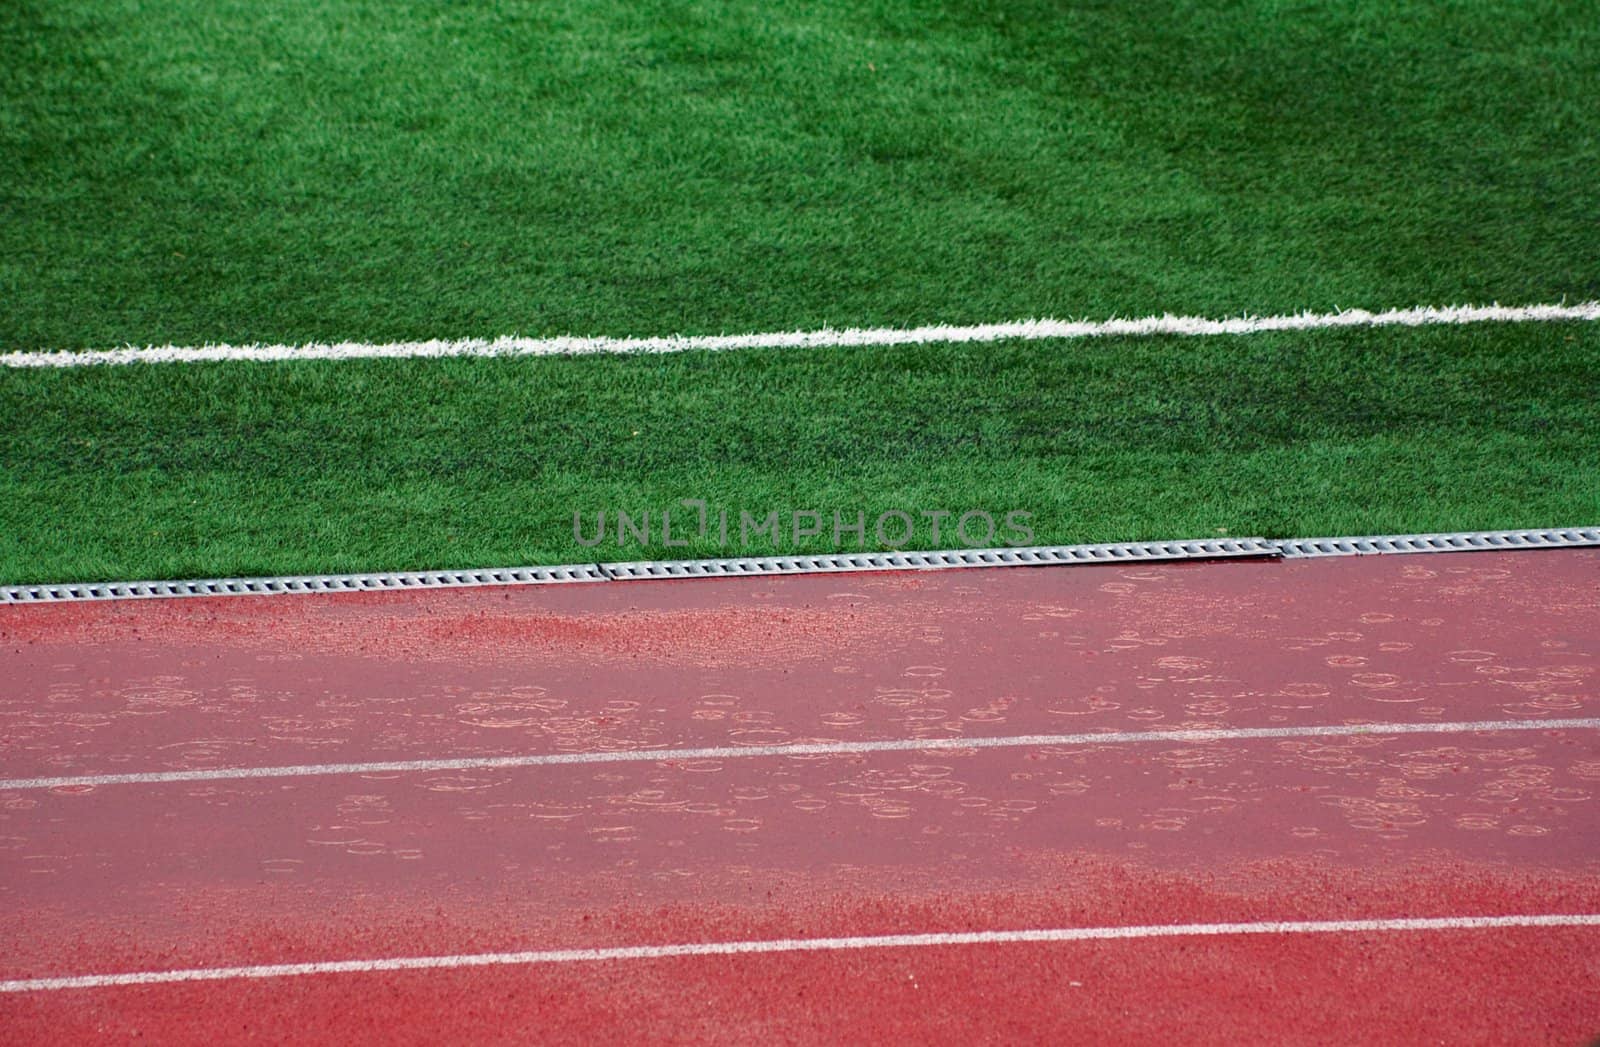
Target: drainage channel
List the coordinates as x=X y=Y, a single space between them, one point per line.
x=1034 y=556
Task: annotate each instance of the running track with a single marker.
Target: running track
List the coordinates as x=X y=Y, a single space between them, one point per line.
x=893 y=893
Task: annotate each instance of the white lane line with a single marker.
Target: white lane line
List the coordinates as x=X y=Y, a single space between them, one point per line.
x=885 y=941
x=569 y=345
x=728 y=752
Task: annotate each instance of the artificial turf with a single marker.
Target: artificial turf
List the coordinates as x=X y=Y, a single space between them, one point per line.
x=199 y=171
x=221 y=469
x=187 y=171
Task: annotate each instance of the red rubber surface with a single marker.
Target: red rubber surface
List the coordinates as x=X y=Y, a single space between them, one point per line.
x=172 y=875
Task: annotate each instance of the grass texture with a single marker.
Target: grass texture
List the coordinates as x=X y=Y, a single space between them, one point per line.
x=222 y=170
x=223 y=469
x=198 y=171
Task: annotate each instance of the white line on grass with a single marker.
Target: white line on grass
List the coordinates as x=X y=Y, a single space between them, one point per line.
x=885 y=941
x=831 y=748
x=1422 y=316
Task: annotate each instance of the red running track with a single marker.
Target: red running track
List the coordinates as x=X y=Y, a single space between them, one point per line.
x=1416 y=819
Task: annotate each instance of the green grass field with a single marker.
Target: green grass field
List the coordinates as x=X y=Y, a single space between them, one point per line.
x=191 y=172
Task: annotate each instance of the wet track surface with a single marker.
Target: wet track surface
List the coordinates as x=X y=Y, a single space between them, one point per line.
x=160 y=875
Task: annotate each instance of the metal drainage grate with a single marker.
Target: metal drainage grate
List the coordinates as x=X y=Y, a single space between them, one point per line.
x=890 y=561
x=313 y=583
x=896 y=561
x=1117 y=552
x=1461 y=541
